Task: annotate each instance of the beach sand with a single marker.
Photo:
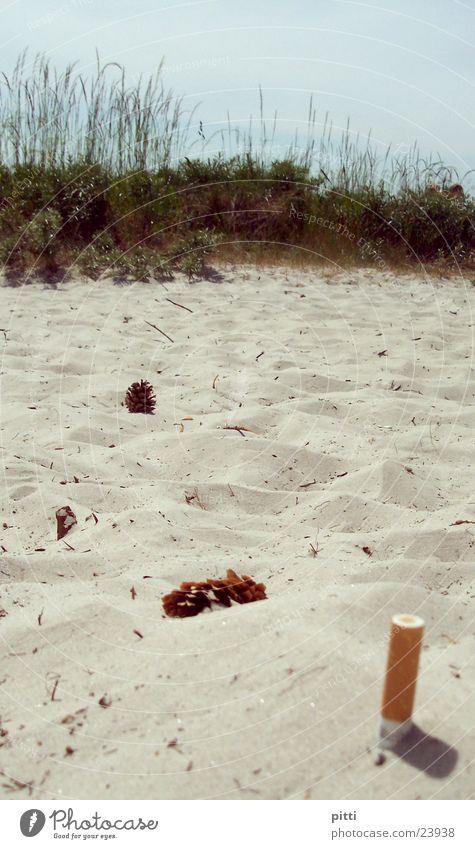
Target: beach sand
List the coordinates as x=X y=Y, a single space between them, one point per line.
x=358 y=391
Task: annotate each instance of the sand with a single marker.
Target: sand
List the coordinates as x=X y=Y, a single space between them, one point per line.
x=358 y=390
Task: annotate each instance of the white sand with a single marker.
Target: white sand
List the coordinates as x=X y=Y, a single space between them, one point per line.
x=278 y=699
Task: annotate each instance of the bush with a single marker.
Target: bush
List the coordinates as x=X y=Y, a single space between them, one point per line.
x=80 y=196
x=34 y=245
x=131 y=211
x=193 y=252
x=98 y=257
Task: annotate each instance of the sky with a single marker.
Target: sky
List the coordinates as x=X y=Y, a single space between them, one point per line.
x=404 y=70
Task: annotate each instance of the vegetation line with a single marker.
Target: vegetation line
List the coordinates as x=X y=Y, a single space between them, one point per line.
x=104 y=176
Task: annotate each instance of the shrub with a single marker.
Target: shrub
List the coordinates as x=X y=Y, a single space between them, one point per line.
x=97 y=257
x=193 y=252
x=131 y=211
x=80 y=196
x=34 y=246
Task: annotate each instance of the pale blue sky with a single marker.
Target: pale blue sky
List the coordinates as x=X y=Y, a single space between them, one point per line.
x=403 y=69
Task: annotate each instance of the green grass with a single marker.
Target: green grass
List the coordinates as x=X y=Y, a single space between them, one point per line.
x=94 y=175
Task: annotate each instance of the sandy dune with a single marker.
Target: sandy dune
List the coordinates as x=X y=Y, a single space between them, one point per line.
x=359 y=392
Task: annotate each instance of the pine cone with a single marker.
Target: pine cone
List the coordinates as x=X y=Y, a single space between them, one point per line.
x=194 y=596
x=140 y=398
x=239 y=589
x=185 y=603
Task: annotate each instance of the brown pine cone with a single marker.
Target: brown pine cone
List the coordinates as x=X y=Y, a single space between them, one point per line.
x=185 y=602
x=194 y=596
x=140 y=398
x=239 y=589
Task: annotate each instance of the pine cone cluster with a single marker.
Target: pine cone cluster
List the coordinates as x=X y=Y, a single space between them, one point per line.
x=140 y=398
x=195 y=596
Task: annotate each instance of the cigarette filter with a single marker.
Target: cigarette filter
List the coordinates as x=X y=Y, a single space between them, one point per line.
x=401 y=678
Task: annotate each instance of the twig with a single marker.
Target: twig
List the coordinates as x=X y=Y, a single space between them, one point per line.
x=18 y=785
x=239 y=428
x=194 y=497
x=40 y=616
x=235 y=427
x=52 y=692
x=178 y=305
x=304 y=485
x=160 y=331
x=259 y=355
x=214 y=381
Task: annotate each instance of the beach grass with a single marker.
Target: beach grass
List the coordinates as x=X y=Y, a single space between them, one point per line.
x=100 y=174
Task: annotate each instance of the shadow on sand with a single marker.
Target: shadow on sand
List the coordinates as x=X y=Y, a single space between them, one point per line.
x=429 y=754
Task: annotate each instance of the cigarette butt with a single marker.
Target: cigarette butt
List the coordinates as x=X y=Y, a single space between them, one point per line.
x=401 y=677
